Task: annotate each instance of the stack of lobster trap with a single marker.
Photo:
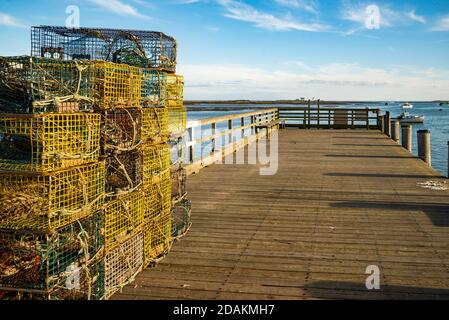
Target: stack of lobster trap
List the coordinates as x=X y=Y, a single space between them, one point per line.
x=92 y=184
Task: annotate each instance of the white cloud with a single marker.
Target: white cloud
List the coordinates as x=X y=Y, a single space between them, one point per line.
x=334 y=81
x=240 y=11
x=442 y=24
x=413 y=16
x=10 y=21
x=307 y=5
x=118 y=7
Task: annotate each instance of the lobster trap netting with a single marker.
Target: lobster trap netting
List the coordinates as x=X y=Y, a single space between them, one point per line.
x=123 y=172
x=50 y=201
x=145 y=49
x=123 y=263
x=121 y=129
x=178 y=184
x=157 y=238
x=122 y=217
x=156 y=162
x=116 y=85
x=175 y=90
x=181 y=218
x=158 y=196
x=177 y=120
x=155 y=125
x=153 y=88
x=35 y=85
x=177 y=152
x=42 y=143
x=49 y=261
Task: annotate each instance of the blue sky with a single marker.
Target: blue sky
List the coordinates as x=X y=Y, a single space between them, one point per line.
x=272 y=49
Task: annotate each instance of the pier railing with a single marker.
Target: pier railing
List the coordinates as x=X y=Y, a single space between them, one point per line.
x=330 y=118
x=212 y=139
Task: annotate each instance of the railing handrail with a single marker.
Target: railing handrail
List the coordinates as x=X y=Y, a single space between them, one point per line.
x=202 y=122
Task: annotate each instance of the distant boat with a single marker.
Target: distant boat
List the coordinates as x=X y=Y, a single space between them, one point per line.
x=405 y=117
x=407 y=106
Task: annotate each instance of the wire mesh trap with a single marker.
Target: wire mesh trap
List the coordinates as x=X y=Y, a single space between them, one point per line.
x=178 y=184
x=177 y=152
x=43 y=143
x=156 y=162
x=175 y=90
x=158 y=196
x=121 y=129
x=157 y=238
x=122 y=217
x=123 y=173
x=50 y=201
x=181 y=218
x=177 y=120
x=36 y=85
x=146 y=49
x=123 y=263
x=155 y=125
x=153 y=88
x=48 y=261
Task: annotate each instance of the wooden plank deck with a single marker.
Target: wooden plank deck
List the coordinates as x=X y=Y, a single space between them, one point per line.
x=341 y=200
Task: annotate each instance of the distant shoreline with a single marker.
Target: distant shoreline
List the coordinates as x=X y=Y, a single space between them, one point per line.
x=293 y=102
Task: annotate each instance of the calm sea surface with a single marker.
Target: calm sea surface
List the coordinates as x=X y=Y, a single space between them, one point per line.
x=436 y=120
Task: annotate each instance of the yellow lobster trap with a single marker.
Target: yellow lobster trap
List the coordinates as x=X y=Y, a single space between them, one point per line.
x=123 y=263
x=175 y=90
x=53 y=200
x=40 y=85
x=158 y=196
x=177 y=120
x=157 y=238
x=156 y=163
x=43 y=143
x=121 y=129
x=155 y=129
x=154 y=90
x=122 y=217
x=117 y=85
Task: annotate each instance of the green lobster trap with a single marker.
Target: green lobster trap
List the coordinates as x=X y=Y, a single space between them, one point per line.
x=153 y=88
x=121 y=129
x=155 y=129
x=123 y=264
x=157 y=238
x=175 y=90
x=37 y=85
x=123 y=172
x=55 y=265
x=50 y=201
x=181 y=213
x=122 y=217
x=44 y=143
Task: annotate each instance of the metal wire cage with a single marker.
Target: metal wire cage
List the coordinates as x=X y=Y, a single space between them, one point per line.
x=116 y=85
x=177 y=120
x=146 y=49
x=177 y=152
x=53 y=200
x=123 y=173
x=181 y=213
x=156 y=163
x=175 y=90
x=158 y=196
x=178 y=184
x=153 y=88
x=43 y=143
x=122 y=217
x=35 y=85
x=155 y=125
x=123 y=263
x=45 y=262
x=121 y=129
x=157 y=238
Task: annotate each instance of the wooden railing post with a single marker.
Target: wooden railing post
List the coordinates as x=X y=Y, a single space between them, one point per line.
x=242 y=123
x=407 y=137
x=308 y=115
x=367 y=119
x=424 y=146
x=382 y=123
x=214 y=132
x=192 y=146
x=387 y=124
x=395 y=126
x=318 y=114
x=231 y=131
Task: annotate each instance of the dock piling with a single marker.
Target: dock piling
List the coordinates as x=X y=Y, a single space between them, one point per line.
x=424 y=146
x=407 y=136
x=387 y=124
x=395 y=126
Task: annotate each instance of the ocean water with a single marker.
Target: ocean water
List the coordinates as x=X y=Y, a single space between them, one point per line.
x=436 y=120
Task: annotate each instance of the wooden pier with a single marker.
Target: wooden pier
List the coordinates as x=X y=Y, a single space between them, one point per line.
x=341 y=200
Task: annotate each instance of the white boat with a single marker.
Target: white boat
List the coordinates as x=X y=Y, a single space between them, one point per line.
x=407 y=106
x=405 y=117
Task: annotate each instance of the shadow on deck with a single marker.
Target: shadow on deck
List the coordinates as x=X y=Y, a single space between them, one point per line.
x=311 y=230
